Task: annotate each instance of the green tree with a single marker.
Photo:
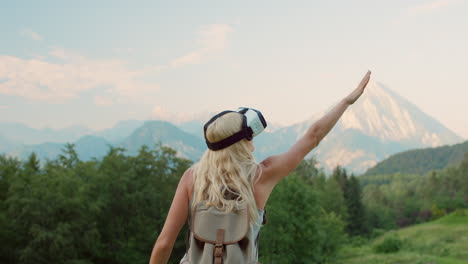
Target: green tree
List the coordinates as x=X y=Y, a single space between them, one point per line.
x=9 y=239
x=75 y=212
x=307 y=170
x=332 y=198
x=356 y=222
x=298 y=231
x=136 y=192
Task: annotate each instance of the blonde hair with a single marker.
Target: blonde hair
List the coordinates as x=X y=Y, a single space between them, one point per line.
x=225 y=178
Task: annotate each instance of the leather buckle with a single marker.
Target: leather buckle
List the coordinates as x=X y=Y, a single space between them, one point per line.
x=218 y=250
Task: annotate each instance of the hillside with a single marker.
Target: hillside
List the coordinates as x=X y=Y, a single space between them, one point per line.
x=441 y=241
x=87 y=148
x=154 y=132
x=420 y=161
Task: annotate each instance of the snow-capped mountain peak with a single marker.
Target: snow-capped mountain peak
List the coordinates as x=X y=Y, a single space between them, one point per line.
x=379 y=124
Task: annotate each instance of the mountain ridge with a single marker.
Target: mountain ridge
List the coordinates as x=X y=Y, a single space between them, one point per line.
x=421 y=161
x=381 y=120
x=156 y=132
x=377 y=126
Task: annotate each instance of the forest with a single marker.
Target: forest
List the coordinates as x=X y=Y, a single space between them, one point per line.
x=111 y=210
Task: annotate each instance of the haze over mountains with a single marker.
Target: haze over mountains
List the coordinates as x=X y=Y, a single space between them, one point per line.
x=380 y=124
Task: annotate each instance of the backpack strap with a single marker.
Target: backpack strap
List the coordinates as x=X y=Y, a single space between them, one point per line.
x=218 y=252
x=187 y=241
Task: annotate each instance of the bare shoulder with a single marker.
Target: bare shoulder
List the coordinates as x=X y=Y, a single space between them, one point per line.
x=186 y=181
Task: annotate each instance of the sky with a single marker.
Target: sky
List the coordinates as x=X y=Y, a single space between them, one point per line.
x=94 y=63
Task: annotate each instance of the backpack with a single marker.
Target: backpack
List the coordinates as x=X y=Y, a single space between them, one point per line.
x=218 y=237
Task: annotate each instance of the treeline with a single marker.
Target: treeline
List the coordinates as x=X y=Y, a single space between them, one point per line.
x=111 y=210
x=398 y=200
x=102 y=211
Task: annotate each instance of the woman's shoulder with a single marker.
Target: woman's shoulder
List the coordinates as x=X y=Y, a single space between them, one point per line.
x=187 y=181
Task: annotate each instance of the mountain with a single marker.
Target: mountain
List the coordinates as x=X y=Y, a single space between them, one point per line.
x=6 y=145
x=86 y=147
x=153 y=132
x=148 y=133
x=20 y=140
x=194 y=127
x=379 y=124
x=22 y=134
x=47 y=150
x=120 y=131
x=89 y=147
x=386 y=115
x=421 y=161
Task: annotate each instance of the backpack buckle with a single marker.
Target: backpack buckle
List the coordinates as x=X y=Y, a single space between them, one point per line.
x=218 y=250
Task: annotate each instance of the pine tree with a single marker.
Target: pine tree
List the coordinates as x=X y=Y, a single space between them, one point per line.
x=355 y=209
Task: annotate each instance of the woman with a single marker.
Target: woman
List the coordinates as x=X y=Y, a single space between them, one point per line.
x=240 y=175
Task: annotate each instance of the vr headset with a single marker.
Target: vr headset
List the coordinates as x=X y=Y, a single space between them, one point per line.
x=253 y=123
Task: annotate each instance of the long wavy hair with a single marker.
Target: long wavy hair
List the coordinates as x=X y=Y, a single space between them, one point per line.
x=225 y=178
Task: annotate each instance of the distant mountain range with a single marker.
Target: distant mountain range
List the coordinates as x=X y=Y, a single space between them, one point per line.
x=380 y=124
x=150 y=133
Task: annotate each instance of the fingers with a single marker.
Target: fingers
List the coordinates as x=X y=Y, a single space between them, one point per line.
x=365 y=80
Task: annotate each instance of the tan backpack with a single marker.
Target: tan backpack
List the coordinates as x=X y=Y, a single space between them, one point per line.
x=218 y=237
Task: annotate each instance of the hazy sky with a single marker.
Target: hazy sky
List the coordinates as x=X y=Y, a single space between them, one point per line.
x=96 y=62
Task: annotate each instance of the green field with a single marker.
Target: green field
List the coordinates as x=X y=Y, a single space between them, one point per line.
x=443 y=241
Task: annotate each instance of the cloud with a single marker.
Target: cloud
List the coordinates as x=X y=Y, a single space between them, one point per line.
x=69 y=75
x=3 y=107
x=429 y=7
x=211 y=39
x=190 y=58
x=31 y=34
x=162 y=113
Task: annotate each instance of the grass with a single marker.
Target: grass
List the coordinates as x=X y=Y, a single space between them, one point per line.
x=443 y=241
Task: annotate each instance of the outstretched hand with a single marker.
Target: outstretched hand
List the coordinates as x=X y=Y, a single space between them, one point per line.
x=354 y=95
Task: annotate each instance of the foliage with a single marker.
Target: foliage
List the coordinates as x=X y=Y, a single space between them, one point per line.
x=356 y=213
x=70 y=211
x=350 y=207
x=421 y=161
x=441 y=241
x=298 y=230
x=111 y=210
x=390 y=244
x=399 y=200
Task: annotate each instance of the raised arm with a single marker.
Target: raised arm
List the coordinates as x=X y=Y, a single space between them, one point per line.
x=277 y=167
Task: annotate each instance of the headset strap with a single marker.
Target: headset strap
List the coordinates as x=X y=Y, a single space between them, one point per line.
x=245 y=132
x=228 y=141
